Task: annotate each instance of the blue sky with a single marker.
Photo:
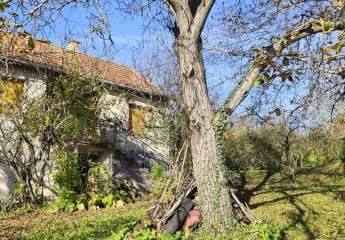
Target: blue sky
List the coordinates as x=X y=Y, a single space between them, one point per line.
x=133 y=44
x=125 y=32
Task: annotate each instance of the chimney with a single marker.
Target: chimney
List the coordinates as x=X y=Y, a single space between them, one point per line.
x=73 y=45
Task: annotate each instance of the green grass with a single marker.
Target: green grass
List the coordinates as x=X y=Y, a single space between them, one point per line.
x=95 y=227
x=97 y=224
x=311 y=207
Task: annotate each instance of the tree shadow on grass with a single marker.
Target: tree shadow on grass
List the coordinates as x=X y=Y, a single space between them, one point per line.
x=299 y=217
x=285 y=183
x=245 y=194
x=292 y=191
x=321 y=170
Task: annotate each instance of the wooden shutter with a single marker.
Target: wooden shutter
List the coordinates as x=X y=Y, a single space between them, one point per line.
x=137 y=123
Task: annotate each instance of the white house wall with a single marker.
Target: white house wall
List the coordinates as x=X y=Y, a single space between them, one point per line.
x=115 y=108
x=133 y=155
x=7 y=182
x=129 y=157
x=34 y=89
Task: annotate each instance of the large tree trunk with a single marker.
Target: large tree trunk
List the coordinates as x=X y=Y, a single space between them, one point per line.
x=213 y=194
x=206 y=129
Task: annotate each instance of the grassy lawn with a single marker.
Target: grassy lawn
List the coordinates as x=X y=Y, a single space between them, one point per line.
x=97 y=224
x=311 y=207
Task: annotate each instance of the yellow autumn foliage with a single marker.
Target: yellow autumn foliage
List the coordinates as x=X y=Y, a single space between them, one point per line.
x=10 y=93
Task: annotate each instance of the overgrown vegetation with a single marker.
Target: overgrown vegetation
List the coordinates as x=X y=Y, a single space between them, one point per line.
x=35 y=129
x=268 y=148
x=81 y=184
x=287 y=171
x=289 y=192
x=311 y=207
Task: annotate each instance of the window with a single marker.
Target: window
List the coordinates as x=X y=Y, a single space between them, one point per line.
x=10 y=92
x=137 y=123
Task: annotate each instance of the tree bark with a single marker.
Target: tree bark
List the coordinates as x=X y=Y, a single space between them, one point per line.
x=213 y=193
x=206 y=127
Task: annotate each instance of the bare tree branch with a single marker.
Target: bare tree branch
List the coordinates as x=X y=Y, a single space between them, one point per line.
x=265 y=57
x=200 y=17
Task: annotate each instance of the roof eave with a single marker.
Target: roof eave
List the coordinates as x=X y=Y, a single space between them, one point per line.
x=49 y=67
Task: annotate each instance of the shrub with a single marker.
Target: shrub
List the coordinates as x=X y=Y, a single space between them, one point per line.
x=128 y=232
x=157 y=172
x=67 y=176
x=75 y=192
x=101 y=179
x=267 y=231
x=69 y=201
x=68 y=182
x=104 y=192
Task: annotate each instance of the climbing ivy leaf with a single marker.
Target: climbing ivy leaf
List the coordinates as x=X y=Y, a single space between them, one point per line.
x=31 y=43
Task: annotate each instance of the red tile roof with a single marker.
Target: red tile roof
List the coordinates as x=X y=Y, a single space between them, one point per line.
x=59 y=59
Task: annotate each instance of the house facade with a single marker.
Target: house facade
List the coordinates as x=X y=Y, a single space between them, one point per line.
x=133 y=106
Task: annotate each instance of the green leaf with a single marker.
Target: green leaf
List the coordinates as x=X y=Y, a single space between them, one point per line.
x=257 y=82
x=338 y=47
x=264 y=77
x=31 y=43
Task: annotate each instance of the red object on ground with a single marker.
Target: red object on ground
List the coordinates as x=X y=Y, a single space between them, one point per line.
x=192 y=220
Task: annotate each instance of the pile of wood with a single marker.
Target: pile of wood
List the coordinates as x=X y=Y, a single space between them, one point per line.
x=242 y=212
x=182 y=213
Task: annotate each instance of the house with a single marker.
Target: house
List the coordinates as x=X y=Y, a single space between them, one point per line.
x=129 y=148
